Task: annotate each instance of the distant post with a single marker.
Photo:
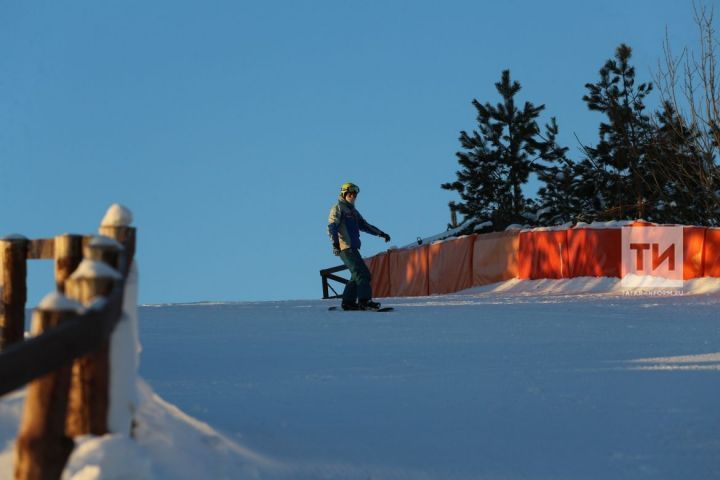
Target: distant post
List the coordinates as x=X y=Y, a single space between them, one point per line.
x=116 y=228
x=13 y=272
x=116 y=225
x=42 y=447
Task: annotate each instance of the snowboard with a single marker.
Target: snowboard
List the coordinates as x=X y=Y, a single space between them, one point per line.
x=383 y=309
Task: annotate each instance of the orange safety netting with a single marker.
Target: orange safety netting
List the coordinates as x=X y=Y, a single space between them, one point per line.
x=543 y=254
x=711 y=255
x=460 y=263
x=495 y=257
x=693 y=247
x=409 y=272
x=450 y=265
x=594 y=252
x=379 y=266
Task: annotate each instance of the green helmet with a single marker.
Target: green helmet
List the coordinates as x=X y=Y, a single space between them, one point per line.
x=349 y=187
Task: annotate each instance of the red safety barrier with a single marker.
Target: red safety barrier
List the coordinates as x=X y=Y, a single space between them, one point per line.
x=495 y=257
x=409 y=272
x=379 y=266
x=450 y=265
x=594 y=252
x=693 y=247
x=711 y=253
x=543 y=254
x=460 y=263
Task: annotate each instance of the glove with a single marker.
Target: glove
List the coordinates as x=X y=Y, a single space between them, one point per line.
x=336 y=249
x=385 y=236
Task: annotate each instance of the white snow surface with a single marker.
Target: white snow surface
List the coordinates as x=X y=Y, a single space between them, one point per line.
x=547 y=379
x=58 y=301
x=14 y=236
x=125 y=359
x=608 y=224
x=95 y=269
x=564 y=226
x=105 y=241
x=117 y=216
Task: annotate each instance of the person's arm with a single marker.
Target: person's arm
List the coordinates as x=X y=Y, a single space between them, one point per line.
x=333 y=226
x=371 y=229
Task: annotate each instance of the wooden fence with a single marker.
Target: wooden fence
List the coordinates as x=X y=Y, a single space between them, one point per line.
x=66 y=360
x=329 y=274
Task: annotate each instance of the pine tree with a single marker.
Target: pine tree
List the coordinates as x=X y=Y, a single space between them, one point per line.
x=498 y=158
x=555 y=204
x=683 y=181
x=620 y=155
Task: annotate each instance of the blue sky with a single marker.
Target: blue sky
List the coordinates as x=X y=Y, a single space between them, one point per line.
x=227 y=127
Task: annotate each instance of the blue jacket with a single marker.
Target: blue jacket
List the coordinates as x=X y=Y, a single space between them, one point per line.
x=345 y=224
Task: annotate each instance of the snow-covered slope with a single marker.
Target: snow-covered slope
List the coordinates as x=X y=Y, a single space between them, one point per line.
x=537 y=379
x=168 y=444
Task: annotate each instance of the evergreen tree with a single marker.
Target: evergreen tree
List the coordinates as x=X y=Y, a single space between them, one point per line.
x=621 y=153
x=498 y=158
x=683 y=180
x=556 y=203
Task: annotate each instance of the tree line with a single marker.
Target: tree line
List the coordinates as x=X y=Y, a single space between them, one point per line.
x=660 y=165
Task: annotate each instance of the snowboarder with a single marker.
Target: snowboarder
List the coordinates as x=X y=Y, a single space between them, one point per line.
x=344 y=226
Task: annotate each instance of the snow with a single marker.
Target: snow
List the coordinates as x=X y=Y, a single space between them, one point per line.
x=560 y=379
x=124 y=360
x=58 y=301
x=105 y=241
x=95 y=269
x=109 y=456
x=608 y=224
x=564 y=226
x=117 y=216
x=14 y=236
x=482 y=225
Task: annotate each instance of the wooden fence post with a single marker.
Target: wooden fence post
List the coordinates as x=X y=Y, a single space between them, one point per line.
x=104 y=249
x=13 y=272
x=88 y=402
x=125 y=236
x=42 y=448
x=123 y=341
x=68 y=255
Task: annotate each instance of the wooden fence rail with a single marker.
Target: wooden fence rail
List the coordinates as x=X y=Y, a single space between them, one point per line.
x=23 y=362
x=66 y=363
x=328 y=274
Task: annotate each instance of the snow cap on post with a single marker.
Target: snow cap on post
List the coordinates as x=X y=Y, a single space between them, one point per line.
x=116 y=224
x=52 y=310
x=104 y=241
x=104 y=249
x=117 y=216
x=94 y=269
x=56 y=301
x=14 y=237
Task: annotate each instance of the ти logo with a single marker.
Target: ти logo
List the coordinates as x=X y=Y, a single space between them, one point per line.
x=657 y=259
x=652 y=257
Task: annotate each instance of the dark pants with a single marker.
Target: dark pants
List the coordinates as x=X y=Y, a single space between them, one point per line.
x=358 y=288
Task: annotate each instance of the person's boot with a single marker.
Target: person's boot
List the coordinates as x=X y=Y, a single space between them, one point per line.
x=368 y=305
x=350 y=306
